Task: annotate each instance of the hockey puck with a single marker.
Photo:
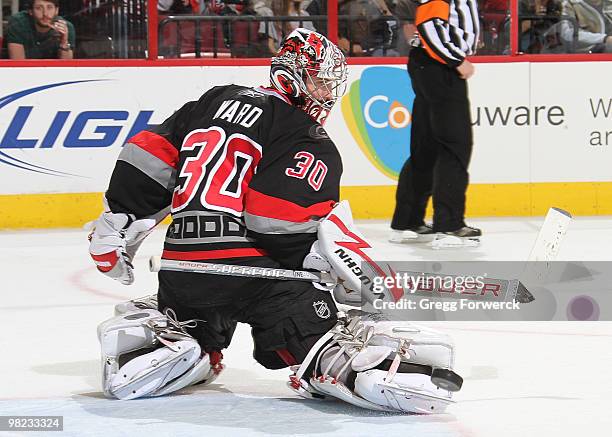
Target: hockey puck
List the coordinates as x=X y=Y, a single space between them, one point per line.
x=155 y=263
x=446 y=379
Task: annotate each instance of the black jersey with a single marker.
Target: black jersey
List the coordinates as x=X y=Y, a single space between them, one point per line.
x=244 y=173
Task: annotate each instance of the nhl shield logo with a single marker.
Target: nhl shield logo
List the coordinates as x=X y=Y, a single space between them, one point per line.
x=321 y=309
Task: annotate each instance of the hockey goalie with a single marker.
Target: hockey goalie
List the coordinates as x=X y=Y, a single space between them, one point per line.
x=251 y=177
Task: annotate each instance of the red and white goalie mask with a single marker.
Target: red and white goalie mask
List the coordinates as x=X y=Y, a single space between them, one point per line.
x=311 y=71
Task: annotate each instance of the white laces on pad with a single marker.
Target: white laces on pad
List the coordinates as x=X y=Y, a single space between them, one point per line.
x=168 y=329
x=354 y=337
x=173 y=320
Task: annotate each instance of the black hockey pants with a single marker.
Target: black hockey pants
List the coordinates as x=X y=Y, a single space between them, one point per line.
x=286 y=317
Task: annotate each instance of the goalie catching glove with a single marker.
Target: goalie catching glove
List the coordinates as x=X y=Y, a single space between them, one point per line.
x=114 y=241
x=343 y=251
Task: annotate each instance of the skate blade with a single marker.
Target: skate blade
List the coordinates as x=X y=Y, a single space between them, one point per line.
x=443 y=241
x=409 y=237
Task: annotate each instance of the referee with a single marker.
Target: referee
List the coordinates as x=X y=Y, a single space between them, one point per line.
x=441 y=133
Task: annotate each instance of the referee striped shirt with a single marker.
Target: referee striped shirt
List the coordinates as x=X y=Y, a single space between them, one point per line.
x=448 y=29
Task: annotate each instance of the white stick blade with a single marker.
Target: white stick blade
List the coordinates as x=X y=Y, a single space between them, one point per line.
x=551 y=235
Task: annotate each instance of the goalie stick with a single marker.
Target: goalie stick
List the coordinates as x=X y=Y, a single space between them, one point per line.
x=551 y=234
x=156 y=264
x=547 y=245
x=545 y=248
x=509 y=289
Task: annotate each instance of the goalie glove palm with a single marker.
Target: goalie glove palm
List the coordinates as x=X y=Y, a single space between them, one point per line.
x=114 y=241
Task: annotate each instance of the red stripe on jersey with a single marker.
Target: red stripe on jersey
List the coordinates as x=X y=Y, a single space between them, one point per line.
x=213 y=254
x=157 y=146
x=272 y=207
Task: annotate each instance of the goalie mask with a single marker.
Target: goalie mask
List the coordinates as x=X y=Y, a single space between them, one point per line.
x=311 y=71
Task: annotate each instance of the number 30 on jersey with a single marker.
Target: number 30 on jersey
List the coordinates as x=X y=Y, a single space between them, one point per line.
x=304 y=166
x=230 y=174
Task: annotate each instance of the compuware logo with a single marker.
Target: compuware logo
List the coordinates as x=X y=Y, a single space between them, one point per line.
x=377 y=110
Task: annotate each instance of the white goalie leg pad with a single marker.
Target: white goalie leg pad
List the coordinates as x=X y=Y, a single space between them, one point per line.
x=384 y=366
x=407 y=391
x=147 y=353
x=202 y=372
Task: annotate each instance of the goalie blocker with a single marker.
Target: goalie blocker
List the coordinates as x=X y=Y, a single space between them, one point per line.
x=342 y=250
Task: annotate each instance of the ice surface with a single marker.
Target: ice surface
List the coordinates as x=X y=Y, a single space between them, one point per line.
x=521 y=379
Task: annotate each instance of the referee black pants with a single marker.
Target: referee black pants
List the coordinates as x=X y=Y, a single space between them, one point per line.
x=440 y=147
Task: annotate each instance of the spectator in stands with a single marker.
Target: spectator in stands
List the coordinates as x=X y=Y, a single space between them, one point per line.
x=247 y=38
x=178 y=7
x=594 y=20
x=267 y=31
x=539 y=21
x=368 y=32
x=40 y=33
x=494 y=26
x=289 y=8
x=319 y=7
x=405 y=11
x=382 y=29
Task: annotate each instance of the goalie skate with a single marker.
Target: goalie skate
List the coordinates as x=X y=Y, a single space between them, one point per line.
x=464 y=237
